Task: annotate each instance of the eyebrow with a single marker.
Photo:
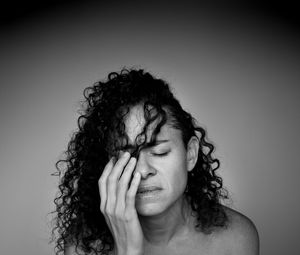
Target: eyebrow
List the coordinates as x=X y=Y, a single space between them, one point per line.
x=147 y=145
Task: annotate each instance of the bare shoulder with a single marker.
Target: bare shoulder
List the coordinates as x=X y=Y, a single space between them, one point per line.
x=241 y=236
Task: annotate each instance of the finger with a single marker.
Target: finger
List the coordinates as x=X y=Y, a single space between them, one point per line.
x=102 y=183
x=131 y=193
x=112 y=181
x=124 y=183
x=119 y=166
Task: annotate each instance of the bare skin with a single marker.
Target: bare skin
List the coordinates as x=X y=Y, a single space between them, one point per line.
x=118 y=205
x=239 y=238
x=163 y=224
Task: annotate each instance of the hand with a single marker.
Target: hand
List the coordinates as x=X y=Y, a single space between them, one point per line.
x=118 y=204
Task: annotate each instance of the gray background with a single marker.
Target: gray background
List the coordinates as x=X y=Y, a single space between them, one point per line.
x=235 y=69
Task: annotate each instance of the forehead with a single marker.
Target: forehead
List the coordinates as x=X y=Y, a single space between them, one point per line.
x=135 y=121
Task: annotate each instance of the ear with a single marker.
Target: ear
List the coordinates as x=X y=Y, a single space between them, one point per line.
x=192 y=153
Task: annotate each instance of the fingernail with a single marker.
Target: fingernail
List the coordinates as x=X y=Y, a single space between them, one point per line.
x=126 y=154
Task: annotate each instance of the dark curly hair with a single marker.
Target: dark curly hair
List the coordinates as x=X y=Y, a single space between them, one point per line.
x=101 y=134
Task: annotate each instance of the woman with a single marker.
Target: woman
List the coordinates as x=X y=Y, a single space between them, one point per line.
x=139 y=178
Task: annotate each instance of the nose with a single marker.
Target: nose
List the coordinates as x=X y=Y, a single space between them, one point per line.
x=144 y=167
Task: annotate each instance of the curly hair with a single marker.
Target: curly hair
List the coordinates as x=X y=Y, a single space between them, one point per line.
x=101 y=134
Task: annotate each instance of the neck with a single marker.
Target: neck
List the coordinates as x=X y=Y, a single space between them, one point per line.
x=172 y=223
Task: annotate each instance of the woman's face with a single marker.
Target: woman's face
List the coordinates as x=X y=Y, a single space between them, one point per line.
x=163 y=167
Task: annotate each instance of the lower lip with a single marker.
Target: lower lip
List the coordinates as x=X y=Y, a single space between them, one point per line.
x=149 y=194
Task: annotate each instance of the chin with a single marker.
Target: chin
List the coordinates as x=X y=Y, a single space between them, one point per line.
x=149 y=209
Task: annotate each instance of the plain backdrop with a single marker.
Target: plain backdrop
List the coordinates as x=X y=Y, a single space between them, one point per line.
x=236 y=70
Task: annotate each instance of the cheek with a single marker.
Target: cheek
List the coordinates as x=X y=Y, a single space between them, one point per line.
x=179 y=182
x=172 y=170
x=176 y=177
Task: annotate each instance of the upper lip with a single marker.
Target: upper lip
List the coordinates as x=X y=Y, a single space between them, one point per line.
x=148 y=188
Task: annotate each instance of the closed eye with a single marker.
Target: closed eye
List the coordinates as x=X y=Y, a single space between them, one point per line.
x=160 y=154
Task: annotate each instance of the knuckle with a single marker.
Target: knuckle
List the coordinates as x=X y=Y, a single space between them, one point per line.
x=110 y=179
x=102 y=209
x=109 y=211
x=127 y=216
x=123 y=181
x=119 y=215
x=100 y=181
